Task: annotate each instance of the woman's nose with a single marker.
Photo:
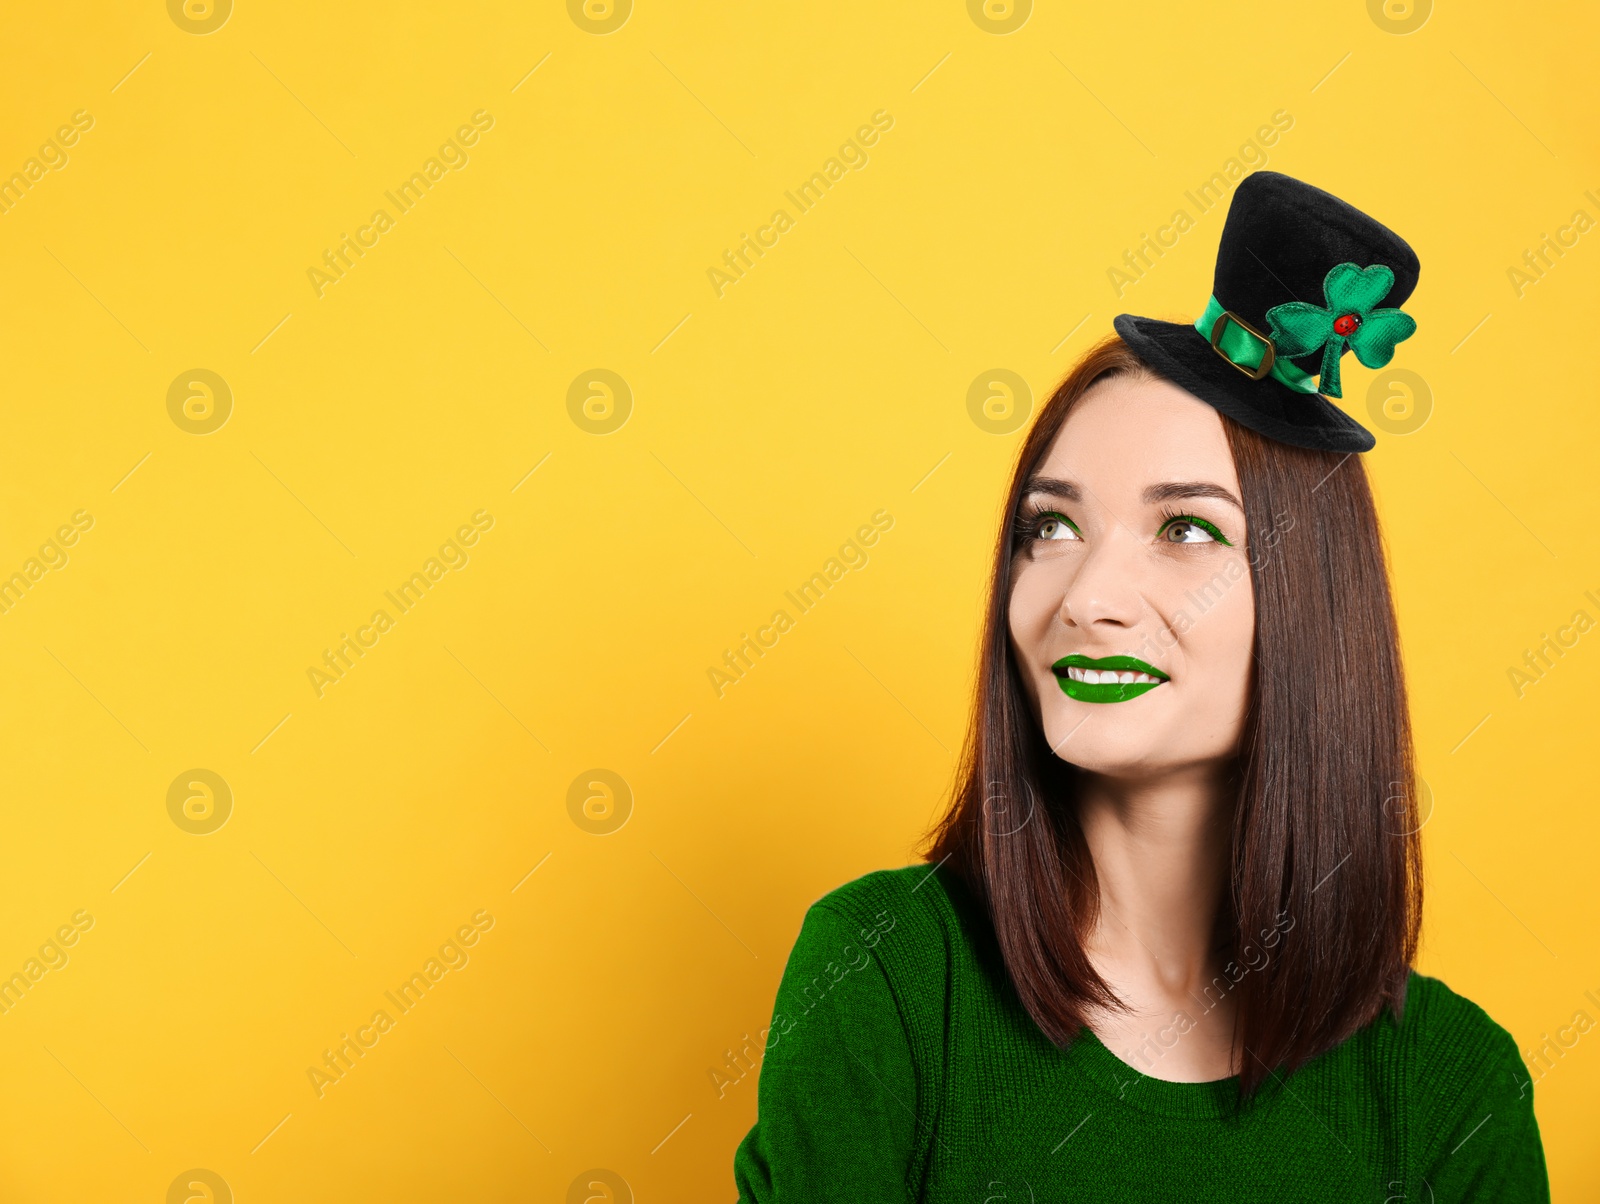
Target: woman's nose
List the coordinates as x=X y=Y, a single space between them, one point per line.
x=1104 y=591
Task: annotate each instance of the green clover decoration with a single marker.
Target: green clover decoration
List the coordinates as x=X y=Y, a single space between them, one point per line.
x=1299 y=328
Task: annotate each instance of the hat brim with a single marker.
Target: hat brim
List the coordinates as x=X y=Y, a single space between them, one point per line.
x=1267 y=406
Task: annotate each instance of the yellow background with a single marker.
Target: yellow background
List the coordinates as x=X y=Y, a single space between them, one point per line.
x=767 y=425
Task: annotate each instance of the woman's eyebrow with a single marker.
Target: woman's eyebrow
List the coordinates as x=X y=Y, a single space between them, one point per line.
x=1172 y=490
x=1053 y=487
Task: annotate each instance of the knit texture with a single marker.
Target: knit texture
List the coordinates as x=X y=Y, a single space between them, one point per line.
x=901 y=1066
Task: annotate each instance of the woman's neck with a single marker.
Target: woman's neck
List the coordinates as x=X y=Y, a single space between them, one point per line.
x=1160 y=849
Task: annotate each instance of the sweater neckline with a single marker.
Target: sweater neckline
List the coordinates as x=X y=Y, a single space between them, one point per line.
x=1211 y=1100
x=1089 y=1055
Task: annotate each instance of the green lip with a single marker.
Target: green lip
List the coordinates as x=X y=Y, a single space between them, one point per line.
x=1106 y=692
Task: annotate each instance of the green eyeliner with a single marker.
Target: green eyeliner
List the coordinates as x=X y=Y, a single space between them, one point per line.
x=1209 y=528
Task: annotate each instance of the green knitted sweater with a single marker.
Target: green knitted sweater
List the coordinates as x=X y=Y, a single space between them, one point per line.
x=900 y=1065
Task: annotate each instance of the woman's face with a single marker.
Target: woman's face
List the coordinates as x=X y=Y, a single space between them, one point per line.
x=1132 y=617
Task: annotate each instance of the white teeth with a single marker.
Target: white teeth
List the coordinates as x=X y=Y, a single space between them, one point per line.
x=1106 y=677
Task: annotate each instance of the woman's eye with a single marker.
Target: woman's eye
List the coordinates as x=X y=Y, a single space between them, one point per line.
x=1191 y=530
x=1055 y=527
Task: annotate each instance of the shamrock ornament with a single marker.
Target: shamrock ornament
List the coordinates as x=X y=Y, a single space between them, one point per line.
x=1299 y=328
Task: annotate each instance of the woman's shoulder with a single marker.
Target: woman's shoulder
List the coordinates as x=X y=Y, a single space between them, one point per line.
x=907 y=888
x=923 y=908
x=1444 y=1030
x=1441 y=1051
x=917 y=923
x=853 y=1064
x=1473 y=1128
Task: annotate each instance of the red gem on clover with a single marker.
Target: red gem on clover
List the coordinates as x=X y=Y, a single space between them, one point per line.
x=1346 y=324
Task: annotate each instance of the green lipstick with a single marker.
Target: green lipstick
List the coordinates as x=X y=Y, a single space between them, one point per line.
x=1108 y=679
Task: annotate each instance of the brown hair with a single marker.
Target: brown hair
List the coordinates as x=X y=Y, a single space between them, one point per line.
x=1325 y=894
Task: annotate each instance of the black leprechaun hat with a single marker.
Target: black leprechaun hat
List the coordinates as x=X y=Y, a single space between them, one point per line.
x=1302 y=277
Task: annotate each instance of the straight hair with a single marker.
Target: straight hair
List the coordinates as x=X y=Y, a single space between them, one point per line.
x=1324 y=902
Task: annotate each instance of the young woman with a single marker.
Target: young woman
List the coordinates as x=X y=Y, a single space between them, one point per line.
x=1161 y=945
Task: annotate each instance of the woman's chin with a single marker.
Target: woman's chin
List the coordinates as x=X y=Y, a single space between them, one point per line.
x=1110 y=743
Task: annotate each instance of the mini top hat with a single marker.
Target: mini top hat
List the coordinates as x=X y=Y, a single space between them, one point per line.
x=1300 y=278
